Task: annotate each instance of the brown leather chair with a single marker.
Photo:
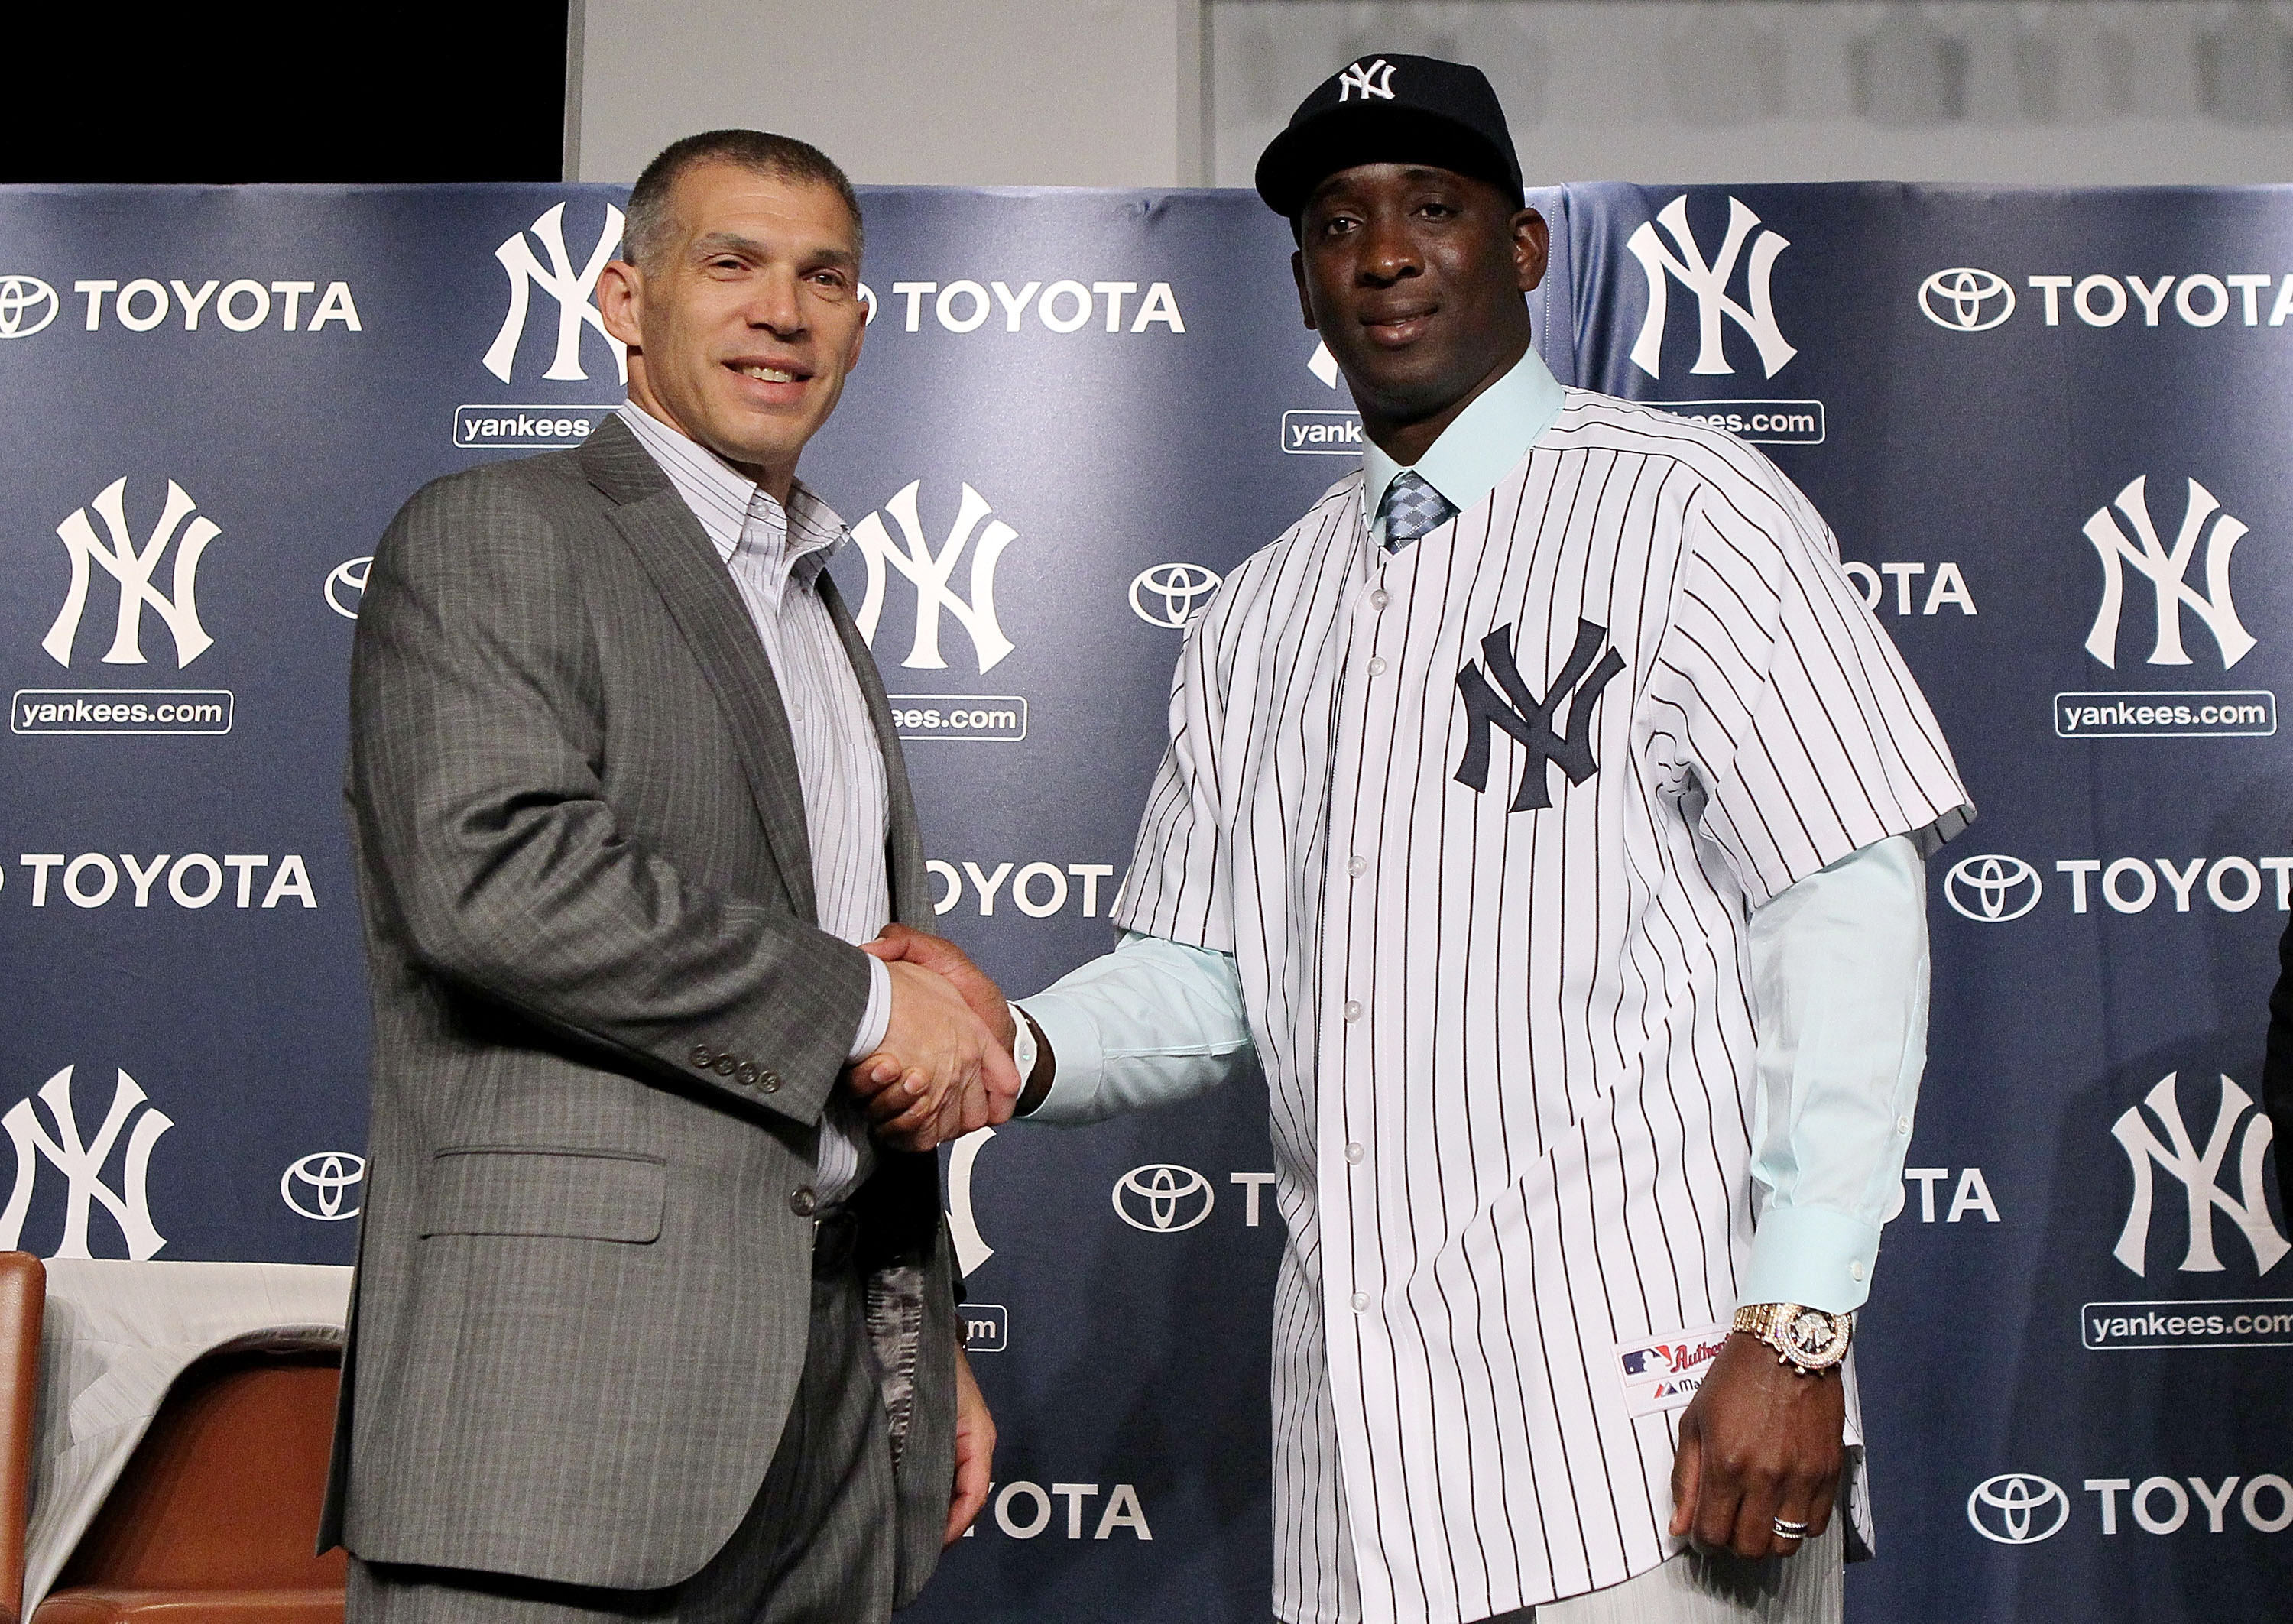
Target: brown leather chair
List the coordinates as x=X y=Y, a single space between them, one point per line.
x=214 y=1519
x=23 y=1306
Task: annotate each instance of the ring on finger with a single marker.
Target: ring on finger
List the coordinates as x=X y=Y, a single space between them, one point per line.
x=1790 y=1531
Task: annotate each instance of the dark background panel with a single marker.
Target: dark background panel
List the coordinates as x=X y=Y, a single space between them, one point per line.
x=1132 y=1355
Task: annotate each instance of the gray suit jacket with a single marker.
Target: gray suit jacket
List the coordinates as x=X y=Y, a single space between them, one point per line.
x=606 y=1024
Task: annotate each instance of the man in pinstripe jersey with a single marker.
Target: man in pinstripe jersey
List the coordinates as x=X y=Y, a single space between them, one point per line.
x=1545 y=813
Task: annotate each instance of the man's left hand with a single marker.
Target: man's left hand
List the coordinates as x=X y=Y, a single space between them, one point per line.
x=975 y=1451
x=1759 y=1442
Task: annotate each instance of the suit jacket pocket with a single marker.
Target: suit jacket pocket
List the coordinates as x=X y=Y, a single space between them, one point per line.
x=515 y=1190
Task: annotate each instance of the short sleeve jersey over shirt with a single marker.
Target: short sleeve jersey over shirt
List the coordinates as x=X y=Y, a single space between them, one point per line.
x=1482 y=822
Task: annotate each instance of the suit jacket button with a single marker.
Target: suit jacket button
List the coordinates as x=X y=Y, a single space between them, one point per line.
x=772 y=1081
x=746 y=1076
x=704 y=1056
x=726 y=1065
x=803 y=1202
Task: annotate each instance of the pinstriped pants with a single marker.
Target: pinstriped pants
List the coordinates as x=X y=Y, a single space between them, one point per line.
x=813 y=1549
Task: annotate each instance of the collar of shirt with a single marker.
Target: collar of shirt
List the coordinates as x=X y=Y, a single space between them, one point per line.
x=1489 y=438
x=794 y=543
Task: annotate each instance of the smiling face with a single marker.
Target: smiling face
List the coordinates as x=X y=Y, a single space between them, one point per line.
x=743 y=325
x=1414 y=277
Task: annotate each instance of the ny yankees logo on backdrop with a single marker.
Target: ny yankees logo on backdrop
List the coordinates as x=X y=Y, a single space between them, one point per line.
x=133 y=566
x=2199 y=1172
x=1510 y=706
x=2168 y=574
x=930 y=572
x=82 y=1165
x=573 y=291
x=1708 y=281
x=1367 y=79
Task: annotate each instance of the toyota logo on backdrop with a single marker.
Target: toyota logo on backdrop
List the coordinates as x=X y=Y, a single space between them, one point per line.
x=1161 y=1197
x=1960 y=299
x=2018 y=1508
x=27 y=304
x=319 y=1185
x=1992 y=888
x=347 y=586
x=1170 y=596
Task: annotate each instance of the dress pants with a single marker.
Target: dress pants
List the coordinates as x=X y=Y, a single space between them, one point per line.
x=814 y=1547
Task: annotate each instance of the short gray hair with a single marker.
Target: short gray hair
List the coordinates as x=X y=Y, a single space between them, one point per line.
x=644 y=233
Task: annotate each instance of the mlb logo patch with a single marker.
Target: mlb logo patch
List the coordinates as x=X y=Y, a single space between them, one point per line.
x=1663 y=1372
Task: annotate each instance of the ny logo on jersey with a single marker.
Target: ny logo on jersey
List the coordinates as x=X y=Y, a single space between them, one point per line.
x=2199 y=1172
x=2168 y=573
x=1367 y=79
x=1708 y=281
x=1510 y=706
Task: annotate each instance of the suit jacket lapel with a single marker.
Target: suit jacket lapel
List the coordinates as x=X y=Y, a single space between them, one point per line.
x=903 y=853
x=693 y=581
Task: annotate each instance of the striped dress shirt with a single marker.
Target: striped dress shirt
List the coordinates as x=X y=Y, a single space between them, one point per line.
x=775 y=555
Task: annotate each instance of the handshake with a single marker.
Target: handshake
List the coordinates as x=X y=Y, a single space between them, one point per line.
x=944 y=1068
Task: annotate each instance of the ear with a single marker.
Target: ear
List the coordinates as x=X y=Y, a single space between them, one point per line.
x=620 y=300
x=1298 y=275
x=859 y=335
x=1532 y=245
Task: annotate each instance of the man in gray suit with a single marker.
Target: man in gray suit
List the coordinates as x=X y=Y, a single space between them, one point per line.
x=645 y=1326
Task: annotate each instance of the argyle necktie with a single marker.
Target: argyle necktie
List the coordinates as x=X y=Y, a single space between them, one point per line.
x=1410 y=508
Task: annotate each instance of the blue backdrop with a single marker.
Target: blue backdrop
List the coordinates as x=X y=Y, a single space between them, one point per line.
x=2050 y=429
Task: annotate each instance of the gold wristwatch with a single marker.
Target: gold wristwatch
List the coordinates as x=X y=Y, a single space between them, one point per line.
x=1808 y=1339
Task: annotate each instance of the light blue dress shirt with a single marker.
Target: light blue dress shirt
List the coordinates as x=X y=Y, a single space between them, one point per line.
x=1839 y=984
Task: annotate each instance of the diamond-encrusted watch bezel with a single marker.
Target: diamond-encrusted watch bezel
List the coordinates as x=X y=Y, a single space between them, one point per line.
x=1807 y=1339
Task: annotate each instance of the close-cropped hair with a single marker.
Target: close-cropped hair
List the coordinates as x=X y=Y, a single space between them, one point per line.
x=645 y=231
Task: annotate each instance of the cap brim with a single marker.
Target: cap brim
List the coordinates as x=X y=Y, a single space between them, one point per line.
x=1352 y=133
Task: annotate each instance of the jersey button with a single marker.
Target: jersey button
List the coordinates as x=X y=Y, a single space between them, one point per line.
x=1361 y=1301
x=1380 y=598
x=1357 y=864
x=1354 y=1153
x=1353 y=1010
x=1377 y=665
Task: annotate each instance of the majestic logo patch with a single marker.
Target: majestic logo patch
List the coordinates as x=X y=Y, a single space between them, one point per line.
x=1510 y=706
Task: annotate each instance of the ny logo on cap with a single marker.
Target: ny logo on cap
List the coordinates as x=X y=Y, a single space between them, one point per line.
x=1370 y=78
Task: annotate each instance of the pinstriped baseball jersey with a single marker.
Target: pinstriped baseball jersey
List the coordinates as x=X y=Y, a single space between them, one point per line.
x=1481 y=823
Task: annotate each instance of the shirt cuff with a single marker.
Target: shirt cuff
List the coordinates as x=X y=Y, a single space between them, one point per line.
x=1073 y=1036
x=876 y=1020
x=1808 y=1255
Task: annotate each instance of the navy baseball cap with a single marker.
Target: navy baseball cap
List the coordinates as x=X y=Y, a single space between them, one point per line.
x=1390 y=110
